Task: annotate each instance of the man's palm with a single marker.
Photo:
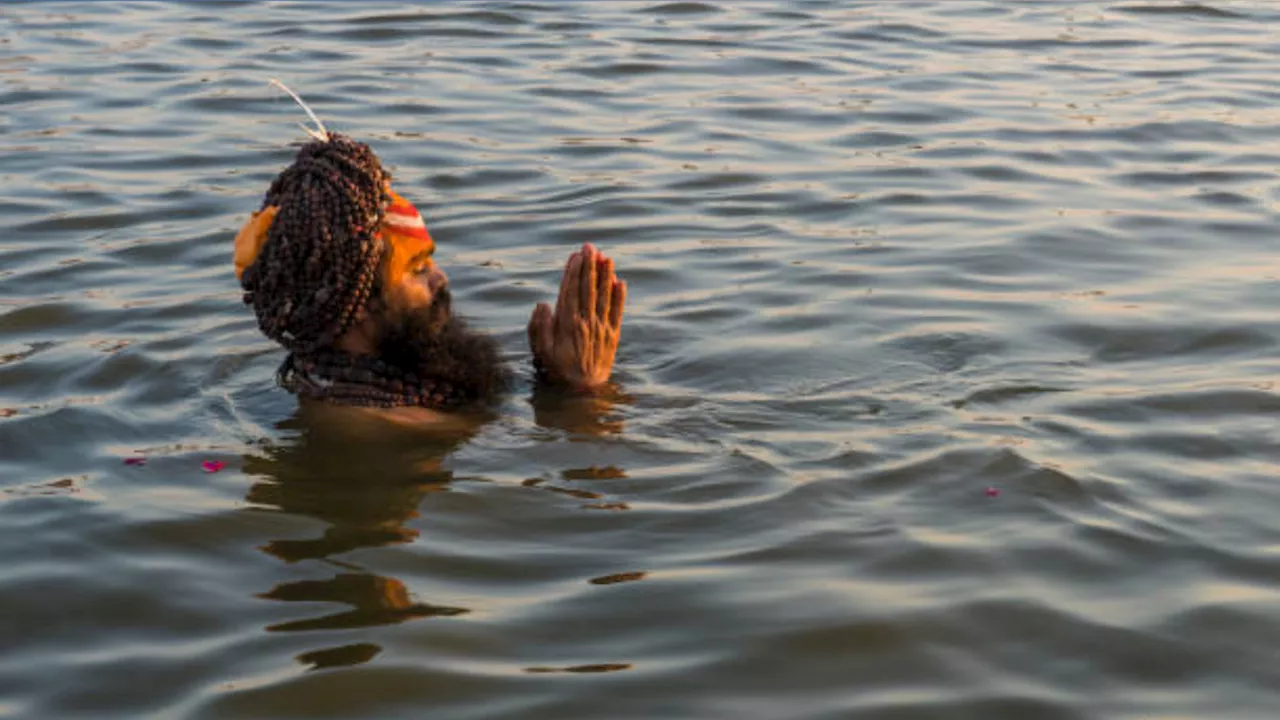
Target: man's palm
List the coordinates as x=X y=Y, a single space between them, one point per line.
x=575 y=343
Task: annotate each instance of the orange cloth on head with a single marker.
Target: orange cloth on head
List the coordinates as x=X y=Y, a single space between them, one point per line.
x=402 y=229
x=405 y=223
x=251 y=237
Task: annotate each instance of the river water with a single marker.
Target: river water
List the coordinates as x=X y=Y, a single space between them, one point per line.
x=947 y=387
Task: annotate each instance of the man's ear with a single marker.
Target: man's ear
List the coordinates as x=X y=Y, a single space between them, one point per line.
x=251 y=237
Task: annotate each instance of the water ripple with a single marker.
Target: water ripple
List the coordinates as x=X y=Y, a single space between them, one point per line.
x=948 y=387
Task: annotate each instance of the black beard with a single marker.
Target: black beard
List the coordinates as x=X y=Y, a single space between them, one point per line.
x=434 y=344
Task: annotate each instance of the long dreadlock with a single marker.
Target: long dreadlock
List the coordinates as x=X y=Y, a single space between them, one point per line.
x=319 y=265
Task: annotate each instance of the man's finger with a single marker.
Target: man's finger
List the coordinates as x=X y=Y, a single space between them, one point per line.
x=540 y=329
x=616 y=304
x=566 y=282
x=569 y=293
x=604 y=287
x=587 y=285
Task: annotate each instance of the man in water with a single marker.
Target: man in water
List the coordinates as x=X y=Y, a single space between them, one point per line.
x=338 y=269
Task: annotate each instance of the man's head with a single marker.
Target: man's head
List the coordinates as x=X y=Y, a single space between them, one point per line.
x=318 y=266
x=339 y=270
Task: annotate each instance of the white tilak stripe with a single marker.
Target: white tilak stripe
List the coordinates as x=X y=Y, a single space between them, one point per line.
x=405 y=221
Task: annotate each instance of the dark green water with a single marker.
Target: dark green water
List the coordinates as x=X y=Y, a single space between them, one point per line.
x=883 y=256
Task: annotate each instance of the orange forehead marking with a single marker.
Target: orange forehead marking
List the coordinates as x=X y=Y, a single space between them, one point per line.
x=405 y=234
x=405 y=222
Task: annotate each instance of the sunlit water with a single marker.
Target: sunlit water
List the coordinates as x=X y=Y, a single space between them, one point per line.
x=947 y=388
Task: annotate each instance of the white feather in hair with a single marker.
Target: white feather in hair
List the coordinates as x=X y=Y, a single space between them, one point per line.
x=321 y=134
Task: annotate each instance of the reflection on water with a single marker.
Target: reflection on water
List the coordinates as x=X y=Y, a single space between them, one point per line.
x=353 y=654
x=363 y=480
x=377 y=601
x=574 y=413
x=600 y=668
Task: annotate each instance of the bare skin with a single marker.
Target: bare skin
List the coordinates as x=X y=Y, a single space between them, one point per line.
x=573 y=344
x=576 y=342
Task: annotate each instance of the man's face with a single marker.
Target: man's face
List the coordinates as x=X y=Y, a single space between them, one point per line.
x=414 y=285
x=410 y=279
x=418 y=332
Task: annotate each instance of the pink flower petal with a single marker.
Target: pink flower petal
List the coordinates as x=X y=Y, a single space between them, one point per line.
x=135 y=461
x=212 y=466
x=993 y=492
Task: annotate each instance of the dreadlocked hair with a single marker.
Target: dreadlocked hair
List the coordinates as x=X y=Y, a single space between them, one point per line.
x=319 y=265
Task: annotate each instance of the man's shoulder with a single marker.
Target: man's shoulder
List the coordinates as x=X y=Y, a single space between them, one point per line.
x=414 y=418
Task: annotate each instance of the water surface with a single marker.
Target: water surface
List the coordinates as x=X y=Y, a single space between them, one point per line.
x=947 y=388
